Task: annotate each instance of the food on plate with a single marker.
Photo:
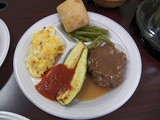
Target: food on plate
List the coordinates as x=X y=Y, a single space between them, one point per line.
x=77 y=80
x=69 y=34
x=81 y=38
x=99 y=41
x=64 y=81
x=92 y=28
x=89 y=87
x=43 y=50
x=73 y=15
x=74 y=55
x=57 y=80
x=89 y=33
x=106 y=65
x=71 y=37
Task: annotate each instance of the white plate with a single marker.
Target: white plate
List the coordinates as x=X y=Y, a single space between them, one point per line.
x=4 y=41
x=11 y=116
x=77 y=109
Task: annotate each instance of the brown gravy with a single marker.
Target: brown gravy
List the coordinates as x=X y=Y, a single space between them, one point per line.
x=106 y=65
x=91 y=90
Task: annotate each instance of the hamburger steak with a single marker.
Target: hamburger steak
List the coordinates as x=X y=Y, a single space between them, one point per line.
x=106 y=65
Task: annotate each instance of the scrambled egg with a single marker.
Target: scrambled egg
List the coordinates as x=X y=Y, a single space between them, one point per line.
x=44 y=48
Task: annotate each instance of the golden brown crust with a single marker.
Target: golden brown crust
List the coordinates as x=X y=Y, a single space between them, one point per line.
x=73 y=14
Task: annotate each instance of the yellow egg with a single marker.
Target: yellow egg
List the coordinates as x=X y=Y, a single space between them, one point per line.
x=45 y=46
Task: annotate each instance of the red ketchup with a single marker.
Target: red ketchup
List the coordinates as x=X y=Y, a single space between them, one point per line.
x=55 y=82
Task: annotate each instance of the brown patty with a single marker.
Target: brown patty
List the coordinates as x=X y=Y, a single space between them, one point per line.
x=106 y=65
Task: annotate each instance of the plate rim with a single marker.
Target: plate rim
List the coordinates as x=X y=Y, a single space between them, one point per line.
x=14 y=115
x=94 y=116
x=7 y=43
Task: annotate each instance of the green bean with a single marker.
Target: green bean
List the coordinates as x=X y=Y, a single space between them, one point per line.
x=62 y=27
x=87 y=34
x=69 y=34
x=71 y=37
x=104 y=31
x=99 y=43
x=93 y=44
x=94 y=29
x=90 y=30
x=85 y=27
x=105 y=39
x=81 y=38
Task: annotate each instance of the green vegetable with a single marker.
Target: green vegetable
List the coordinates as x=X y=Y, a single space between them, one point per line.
x=87 y=34
x=99 y=43
x=105 y=39
x=94 y=43
x=62 y=27
x=84 y=28
x=77 y=80
x=73 y=57
x=68 y=34
x=92 y=28
x=104 y=31
x=81 y=38
x=71 y=37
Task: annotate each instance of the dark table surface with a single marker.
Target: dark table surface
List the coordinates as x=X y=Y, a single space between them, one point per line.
x=21 y=14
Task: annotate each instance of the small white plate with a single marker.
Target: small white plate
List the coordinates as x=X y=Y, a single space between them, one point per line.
x=11 y=116
x=81 y=109
x=4 y=41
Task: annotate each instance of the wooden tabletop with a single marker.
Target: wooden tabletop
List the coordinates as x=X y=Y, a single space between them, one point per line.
x=21 y=14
